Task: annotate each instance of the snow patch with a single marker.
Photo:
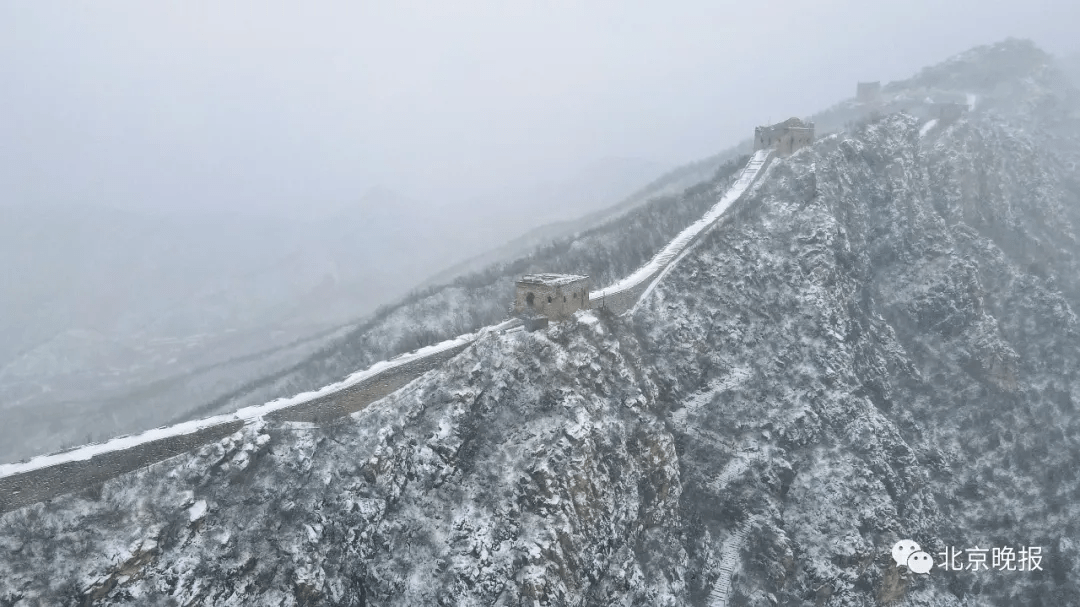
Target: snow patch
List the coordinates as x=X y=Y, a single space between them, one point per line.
x=588 y=318
x=926 y=127
x=197 y=511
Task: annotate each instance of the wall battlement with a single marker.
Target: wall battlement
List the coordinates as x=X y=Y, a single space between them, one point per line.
x=555 y=296
x=786 y=137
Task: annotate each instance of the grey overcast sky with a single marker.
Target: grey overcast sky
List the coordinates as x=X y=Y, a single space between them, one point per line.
x=291 y=107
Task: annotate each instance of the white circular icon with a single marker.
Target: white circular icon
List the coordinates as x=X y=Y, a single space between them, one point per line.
x=902 y=550
x=920 y=562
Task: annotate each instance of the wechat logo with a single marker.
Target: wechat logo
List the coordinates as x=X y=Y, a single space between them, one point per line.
x=908 y=554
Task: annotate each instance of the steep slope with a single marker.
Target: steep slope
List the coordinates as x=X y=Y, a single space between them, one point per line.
x=604 y=244
x=880 y=344
x=606 y=253
x=670 y=183
x=118 y=321
x=532 y=457
x=866 y=356
x=883 y=347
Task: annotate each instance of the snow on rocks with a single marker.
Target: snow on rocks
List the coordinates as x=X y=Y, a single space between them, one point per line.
x=465 y=486
x=197 y=511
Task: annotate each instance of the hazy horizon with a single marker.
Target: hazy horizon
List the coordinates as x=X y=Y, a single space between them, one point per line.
x=269 y=109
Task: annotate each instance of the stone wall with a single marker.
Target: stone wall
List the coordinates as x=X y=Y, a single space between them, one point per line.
x=622 y=301
x=786 y=137
x=360 y=395
x=35 y=486
x=556 y=302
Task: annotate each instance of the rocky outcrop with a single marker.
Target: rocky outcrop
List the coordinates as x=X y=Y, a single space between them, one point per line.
x=874 y=327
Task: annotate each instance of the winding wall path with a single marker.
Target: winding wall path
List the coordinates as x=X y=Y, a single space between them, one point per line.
x=729 y=560
x=48 y=476
x=623 y=295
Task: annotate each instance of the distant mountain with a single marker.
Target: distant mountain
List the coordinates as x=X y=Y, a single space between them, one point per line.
x=521 y=244
x=499 y=219
x=1070 y=65
x=116 y=321
x=596 y=186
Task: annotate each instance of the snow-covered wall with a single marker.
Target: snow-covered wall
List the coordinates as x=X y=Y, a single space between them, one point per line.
x=48 y=476
x=71 y=475
x=621 y=296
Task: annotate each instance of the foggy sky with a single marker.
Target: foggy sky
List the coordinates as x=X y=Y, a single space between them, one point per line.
x=292 y=108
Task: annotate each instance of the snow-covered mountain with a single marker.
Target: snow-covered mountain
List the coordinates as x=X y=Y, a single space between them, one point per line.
x=879 y=344
x=117 y=321
x=606 y=252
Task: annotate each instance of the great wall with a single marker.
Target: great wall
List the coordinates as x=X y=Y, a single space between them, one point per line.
x=46 y=477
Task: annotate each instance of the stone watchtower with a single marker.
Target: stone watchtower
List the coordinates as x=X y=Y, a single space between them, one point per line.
x=868 y=92
x=553 y=296
x=785 y=138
